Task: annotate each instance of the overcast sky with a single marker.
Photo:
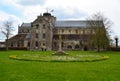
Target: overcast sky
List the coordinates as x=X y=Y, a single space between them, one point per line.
x=20 y=11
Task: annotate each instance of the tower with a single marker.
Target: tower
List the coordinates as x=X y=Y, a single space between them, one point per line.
x=42 y=32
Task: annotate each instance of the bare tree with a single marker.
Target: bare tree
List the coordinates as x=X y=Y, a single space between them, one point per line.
x=101 y=26
x=7 y=30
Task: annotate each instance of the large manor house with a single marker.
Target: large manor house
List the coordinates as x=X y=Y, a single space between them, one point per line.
x=45 y=32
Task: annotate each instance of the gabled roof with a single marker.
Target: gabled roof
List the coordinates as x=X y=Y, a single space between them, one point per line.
x=71 y=24
x=18 y=37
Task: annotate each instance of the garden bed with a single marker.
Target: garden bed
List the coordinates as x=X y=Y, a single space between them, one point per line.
x=56 y=58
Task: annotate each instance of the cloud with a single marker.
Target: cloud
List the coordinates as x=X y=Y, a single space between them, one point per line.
x=63 y=9
x=31 y=12
x=73 y=14
x=8 y=17
x=30 y=2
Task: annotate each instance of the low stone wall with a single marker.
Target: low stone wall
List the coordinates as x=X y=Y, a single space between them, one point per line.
x=115 y=49
x=2 y=49
x=13 y=48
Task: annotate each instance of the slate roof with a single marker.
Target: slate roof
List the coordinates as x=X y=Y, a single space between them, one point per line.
x=26 y=25
x=70 y=23
x=18 y=37
x=81 y=24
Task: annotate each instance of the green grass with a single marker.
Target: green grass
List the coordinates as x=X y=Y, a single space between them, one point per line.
x=15 y=70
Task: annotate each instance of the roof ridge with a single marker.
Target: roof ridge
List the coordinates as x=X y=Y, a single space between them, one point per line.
x=70 y=20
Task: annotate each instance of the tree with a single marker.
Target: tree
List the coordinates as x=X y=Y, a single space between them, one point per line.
x=101 y=27
x=116 y=42
x=7 y=30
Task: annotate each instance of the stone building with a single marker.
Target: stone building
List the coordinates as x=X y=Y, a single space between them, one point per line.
x=43 y=34
x=2 y=44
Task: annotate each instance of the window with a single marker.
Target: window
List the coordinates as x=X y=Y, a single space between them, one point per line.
x=69 y=31
x=62 y=30
x=69 y=47
x=11 y=44
x=76 y=31
x=43 y=44
x=37 y=26
x=36 y=43
x=28 y=44
x=43 y=36
x=28 y=30
x=36 y=35
x=31 y=25
x=22 y=31
x=20 y=43
x=55 y=44
x=43 y=26
x=62 y=44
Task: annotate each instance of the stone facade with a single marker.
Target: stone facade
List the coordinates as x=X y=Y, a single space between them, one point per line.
x=43 y=34
x=18 y=41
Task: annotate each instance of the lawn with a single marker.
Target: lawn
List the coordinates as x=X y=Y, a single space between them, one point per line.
x=16 y=70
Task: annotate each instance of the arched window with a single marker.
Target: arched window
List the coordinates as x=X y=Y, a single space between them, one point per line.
x=77 y=46
x=36 y=43
x=69 y=47
x=28 y=44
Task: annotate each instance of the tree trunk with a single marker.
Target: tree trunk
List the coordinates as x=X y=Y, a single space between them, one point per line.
x=98 y=49
x=6 y=44
x=98 y=45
